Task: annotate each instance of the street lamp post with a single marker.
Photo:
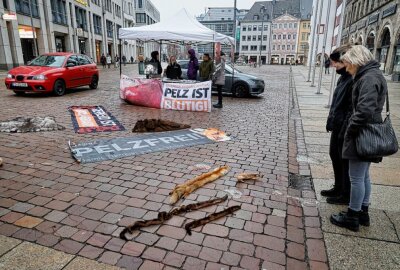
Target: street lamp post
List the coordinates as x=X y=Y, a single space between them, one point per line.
x=262 y=32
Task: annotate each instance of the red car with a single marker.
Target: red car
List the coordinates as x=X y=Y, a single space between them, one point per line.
x=53 y=73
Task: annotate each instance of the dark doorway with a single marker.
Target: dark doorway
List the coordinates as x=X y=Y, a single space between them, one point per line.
x=27 y=49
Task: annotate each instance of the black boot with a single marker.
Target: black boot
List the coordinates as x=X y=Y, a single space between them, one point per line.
x=340 y=200
x=364 y=216
x=349 y=220
x=218 y=105
x=333 y=192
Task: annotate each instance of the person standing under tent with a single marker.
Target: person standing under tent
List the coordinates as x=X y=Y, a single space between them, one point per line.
x=219 y=78
x=206 y=68
x=193 y=66
x=173 y=71
x=154 y=60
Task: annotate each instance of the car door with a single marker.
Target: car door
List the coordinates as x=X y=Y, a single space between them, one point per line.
x=72 y=76
x=84 y=64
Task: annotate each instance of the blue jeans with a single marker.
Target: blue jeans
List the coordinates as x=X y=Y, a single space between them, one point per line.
x=360 y=184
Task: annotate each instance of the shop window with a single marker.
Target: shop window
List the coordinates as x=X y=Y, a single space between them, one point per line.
x=22 y=6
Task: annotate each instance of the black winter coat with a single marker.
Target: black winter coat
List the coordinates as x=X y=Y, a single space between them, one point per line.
x=341 y=105
x=158 y=64
x=368 y=98
x=174 y=71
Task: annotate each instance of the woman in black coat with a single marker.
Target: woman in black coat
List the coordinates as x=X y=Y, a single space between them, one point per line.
x=368 y=98
x=173 y=70
x=340 y=108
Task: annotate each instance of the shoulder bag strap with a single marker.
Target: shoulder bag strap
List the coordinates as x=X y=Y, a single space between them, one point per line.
x=387 y=102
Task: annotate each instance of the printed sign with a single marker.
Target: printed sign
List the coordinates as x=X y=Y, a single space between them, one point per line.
x=87 y=119
x=187 y=96
x=183 y=95
x=147 y=143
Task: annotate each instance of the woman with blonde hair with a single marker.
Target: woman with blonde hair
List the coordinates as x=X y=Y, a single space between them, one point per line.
x=368 y=98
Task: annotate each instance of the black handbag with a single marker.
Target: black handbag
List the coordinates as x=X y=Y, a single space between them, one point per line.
x=377 y=140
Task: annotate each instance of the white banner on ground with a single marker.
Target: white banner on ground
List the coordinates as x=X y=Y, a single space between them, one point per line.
x=187 y=97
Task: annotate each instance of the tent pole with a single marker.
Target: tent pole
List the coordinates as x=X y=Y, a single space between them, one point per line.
x=120 y=64
x=160 y=50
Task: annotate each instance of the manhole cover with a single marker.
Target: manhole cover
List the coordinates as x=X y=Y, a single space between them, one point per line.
x=300 y=182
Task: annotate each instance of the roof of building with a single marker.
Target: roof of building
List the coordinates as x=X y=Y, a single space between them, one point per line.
x=297 y=8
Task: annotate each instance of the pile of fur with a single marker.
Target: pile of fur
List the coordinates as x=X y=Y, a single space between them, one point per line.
x=30 y=124
x=157 y=125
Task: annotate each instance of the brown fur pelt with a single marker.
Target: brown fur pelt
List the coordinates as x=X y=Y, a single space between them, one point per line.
x=209 y=218
x=183 y=190
x=248 y=176
x=157 y=125
x=164 y=216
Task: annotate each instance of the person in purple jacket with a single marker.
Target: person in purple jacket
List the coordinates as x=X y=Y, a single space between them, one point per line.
x=193 y=66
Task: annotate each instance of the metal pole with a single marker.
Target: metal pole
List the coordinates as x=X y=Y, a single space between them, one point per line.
x=312 y=42
x=233 y=63
x=270 y=34
x=262 y=32
x=119 y=52
x=33 y=29
x=339 y=38
x=317 y=45
x=323 y=48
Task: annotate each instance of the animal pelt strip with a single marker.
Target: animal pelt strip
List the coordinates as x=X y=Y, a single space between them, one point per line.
x=183 y=190
x=196 y=223
x=248 y=176
x=164 y=216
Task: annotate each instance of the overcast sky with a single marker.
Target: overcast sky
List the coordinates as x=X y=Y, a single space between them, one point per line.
x=168 y=8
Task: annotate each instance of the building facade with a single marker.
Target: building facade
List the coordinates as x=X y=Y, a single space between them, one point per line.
x=376 y=25
x=302 y=41
x=254 y=43
x=82 y=26
x=146 y=13
x=284 y=39
x=261 y=15
x=255 y=33
x=221 y=20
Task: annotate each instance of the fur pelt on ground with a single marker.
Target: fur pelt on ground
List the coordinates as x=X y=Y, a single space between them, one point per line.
x=183 y=190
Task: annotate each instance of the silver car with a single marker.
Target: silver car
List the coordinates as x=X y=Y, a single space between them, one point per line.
x=241 y=85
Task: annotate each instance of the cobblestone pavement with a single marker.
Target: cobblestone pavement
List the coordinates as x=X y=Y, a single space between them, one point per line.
x=49 y=199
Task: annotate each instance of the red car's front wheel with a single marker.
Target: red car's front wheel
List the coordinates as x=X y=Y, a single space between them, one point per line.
x=59 y=88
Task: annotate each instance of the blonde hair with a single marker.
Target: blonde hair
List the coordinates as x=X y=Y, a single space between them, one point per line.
x=357 y=55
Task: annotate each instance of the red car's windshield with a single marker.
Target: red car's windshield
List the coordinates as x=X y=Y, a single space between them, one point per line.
x=48 y=61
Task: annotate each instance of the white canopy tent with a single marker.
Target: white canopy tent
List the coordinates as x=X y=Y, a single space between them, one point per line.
x=181 y=27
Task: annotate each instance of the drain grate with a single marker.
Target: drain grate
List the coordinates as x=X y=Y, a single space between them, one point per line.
x=300 y=182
